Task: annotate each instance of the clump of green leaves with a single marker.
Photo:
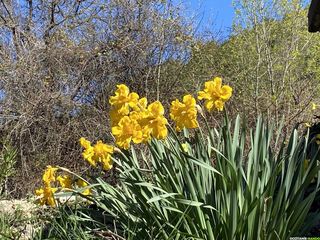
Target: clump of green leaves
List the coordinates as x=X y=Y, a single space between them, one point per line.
x=15 y=223
x=69 y=224
x=214 y=187
x=229 y=184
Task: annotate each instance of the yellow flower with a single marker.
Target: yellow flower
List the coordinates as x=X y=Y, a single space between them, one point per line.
x=121 y=103
x=313 y=106
x=65 y=181
x=158 y=127
x=156 y=109
x=156 y=121
x=46 y=195
x=133 y=120
x=84 y=143
x=215 y=94
x=49 y=175
x=184 y=114
x=88 y=152
x=102 y=153
x=143 y=117
x=116 y=114
x=83 y=184
x=127 y=130
x=141 y=105
x=88 y=155
x=39 y=191
x=123 y=98
x=185 y=147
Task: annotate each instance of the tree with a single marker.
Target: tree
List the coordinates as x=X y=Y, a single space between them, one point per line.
x=270 y=60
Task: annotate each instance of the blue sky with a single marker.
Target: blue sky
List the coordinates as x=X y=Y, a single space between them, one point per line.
x=219 y=11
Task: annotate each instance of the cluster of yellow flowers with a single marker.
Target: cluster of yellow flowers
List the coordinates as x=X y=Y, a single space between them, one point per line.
x=52 y=184
x=100 y=152
x=132 y=119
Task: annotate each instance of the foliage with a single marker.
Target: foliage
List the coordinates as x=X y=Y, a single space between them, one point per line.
x=68 y=64
x=7 y=162
x=212 y=183
x=220 y=186
x=67 y=224
x=215 y=189
x=6 y=222
x=269 y=58
x=17 y=222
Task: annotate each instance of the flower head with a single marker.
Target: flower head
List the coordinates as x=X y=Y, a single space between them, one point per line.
x=132 y=120
x=46 y=195
x=88 y=152
x=49 y=175
x=126 y=131
x=214 y=94
x=65 y=181
x=83 y=184
x=85 y=143
x=121 y=103
x=156 y=122
x=102 y=153
x=123 y=96
x=116 y=114
x=184 y=113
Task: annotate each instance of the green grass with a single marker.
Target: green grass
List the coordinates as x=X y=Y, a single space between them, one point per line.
x=69 y=223
x=13 y=225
